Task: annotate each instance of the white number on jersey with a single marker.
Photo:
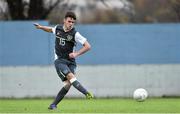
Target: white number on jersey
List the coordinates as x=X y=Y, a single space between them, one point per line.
x=62 y=41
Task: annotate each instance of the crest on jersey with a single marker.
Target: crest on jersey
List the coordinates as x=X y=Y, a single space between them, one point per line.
x=69 y=37
x=58 y=33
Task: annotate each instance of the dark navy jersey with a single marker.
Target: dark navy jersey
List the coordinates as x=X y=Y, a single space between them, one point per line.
x=66 y=41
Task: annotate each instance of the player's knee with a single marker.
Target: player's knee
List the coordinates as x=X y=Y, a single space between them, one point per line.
x=67 y=85
x=70 y=76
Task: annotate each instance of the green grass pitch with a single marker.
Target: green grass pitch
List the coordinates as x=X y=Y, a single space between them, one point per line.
x=119 y=105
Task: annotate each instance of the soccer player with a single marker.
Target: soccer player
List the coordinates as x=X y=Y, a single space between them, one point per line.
x=66 y=39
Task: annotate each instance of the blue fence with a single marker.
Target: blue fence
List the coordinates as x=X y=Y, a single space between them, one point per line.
x=132 y=44
x=22 y=44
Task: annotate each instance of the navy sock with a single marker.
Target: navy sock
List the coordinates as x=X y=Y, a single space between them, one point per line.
x=60 y=96
x=79 y=87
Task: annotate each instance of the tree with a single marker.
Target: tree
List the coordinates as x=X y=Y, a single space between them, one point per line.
x=159 y=11
x=34 y=9
x=176 y=7
x=94 y=11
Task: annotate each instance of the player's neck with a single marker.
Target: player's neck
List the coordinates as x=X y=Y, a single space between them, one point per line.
x=65 y=29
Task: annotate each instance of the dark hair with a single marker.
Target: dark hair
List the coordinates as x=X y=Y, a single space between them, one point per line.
x=71 y=15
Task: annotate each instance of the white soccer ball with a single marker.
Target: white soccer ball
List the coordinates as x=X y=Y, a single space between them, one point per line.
x=140 y=94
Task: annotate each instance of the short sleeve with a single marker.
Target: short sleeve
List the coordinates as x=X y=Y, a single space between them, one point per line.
x=79 y=38
x=54 y=29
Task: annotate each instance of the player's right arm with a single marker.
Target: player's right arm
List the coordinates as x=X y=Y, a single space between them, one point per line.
x=45 y=28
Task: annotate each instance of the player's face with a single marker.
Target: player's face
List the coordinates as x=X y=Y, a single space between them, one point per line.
x=69 y=23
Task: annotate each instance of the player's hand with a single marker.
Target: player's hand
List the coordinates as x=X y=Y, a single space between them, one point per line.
x=73 y=55
x=37 y=25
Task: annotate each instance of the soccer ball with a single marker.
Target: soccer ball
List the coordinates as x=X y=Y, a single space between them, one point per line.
x=140 y=94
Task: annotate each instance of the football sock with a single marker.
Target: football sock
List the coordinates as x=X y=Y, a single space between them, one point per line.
x=79 y=87
x=60 y=95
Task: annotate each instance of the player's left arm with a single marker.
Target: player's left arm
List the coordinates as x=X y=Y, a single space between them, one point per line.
x=86 y=46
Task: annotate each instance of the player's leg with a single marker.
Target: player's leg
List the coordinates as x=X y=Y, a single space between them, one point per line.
x=62 y=70
x=64 y=90
x=78 y=85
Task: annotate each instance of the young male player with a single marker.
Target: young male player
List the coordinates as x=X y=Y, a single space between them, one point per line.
x=66 y=39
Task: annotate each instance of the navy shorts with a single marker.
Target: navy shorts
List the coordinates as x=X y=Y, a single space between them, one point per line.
x=63 y=67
